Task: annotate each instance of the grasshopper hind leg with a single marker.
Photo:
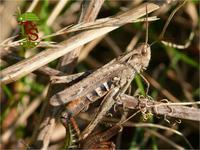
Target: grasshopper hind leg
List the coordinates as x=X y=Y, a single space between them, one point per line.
x=72 y=131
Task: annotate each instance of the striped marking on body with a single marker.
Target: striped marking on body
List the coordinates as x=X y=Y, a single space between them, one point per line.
x=98 y=92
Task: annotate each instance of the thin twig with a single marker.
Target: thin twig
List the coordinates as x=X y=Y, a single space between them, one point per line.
x=168 y=109
x=60 y=5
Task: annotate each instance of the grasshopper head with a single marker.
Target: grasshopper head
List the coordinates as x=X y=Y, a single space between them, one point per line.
x=141 y=57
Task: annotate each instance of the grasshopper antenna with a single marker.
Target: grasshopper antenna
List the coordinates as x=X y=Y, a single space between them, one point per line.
x=166 y=25
x=169 y=19
x=146 y=38
x=160 y=38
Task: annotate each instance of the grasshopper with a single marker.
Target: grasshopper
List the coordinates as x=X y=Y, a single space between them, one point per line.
x=117 y=73
x=107 y=82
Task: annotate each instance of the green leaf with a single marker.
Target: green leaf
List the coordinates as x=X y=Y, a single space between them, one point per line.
x=140 y=84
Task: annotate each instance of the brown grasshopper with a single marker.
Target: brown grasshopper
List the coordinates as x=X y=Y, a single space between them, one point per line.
x=117 y=73
x=109 y=82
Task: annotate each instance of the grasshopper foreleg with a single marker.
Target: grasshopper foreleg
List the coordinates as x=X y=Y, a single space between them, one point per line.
x=147 y=82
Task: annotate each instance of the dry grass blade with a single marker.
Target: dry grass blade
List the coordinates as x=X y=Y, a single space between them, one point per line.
x=56 y=11
x=33 y=5
x=23 y=68
x=11 y=58
x=105 y=22
x=169 y=141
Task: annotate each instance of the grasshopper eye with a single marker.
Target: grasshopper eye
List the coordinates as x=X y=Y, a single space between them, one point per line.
x=144 y=50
